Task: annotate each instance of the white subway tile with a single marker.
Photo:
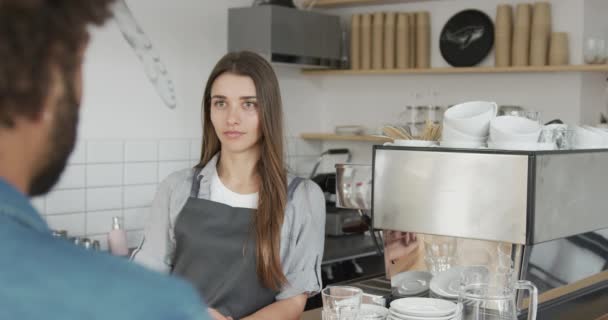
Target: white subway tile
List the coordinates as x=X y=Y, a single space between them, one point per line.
x=104 y=198
x=141 y=150
x=78 y=155
x=134 y=238
x=104 y=175
x=291 y=145
x=174 y=149
x=308 y=148
x=72 y=177
x=304 y=165
x=139 y=196
x=65 y=201
x=136 y=218
x=141 y=173
x=195 y=149
x=39 y=204
x=103 y=240
x=72 y=223
x=101 y=221
x=102 y=151
x=168 y=167
x=292 y=164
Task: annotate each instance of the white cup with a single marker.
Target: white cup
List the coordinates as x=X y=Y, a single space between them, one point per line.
x=472 y=118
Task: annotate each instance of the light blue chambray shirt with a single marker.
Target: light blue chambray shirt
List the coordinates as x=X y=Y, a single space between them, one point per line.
x=42 y=277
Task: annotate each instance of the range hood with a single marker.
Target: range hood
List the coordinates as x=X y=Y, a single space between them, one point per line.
x=286 y=35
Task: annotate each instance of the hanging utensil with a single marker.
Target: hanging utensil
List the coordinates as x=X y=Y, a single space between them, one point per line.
x=140 y=43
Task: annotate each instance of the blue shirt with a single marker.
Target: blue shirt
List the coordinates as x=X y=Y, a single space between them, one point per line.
x=42 y=277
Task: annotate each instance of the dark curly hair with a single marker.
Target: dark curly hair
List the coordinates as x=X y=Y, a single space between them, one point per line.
x=37 y=38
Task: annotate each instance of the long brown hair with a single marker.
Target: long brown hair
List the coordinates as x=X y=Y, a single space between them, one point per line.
x=273 y=185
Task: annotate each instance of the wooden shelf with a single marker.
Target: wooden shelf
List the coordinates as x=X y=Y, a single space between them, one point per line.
x=467 y=70
x=336 y=137
x=344 y=3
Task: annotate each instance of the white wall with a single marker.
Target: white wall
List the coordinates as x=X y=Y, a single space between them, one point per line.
x=190 y=36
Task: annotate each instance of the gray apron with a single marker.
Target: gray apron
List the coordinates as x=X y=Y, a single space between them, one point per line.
x=215 y=251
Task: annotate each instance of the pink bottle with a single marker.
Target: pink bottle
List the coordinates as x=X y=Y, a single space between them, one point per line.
x=117 y=239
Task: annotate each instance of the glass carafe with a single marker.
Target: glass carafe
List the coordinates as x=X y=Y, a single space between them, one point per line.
x=491 y=294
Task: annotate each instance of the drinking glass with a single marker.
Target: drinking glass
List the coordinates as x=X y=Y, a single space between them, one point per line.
x=440 y=253
x=341 y=302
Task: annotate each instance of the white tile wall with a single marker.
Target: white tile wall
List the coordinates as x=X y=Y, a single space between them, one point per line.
x=72 y=177
x=144 y=150
x=78 y=155
x=195 y=149
x=104 y=198
x=107 y=178
x=65 y=201
x=307 y=148
x=139 y=196
x=166 y=168
x=99 y=222
x=75 y=223
x=105 y=151
x=177 y=149
x=136 y=218
x=39 y=204
x=304 y=165
x=104 y=175
x=141 y=173
x=291 y=146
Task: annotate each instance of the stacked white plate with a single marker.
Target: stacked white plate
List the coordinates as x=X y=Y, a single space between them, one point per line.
x=424 y=309
x=411 y=284
x=446 y=285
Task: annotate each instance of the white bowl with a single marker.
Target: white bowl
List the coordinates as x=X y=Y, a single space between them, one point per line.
x=602 y=132
x=588 y=139
x=514 y=129
x=449 y=133
x=472 y=118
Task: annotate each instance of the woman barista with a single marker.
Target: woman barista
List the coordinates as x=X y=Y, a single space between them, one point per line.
x=245 y=233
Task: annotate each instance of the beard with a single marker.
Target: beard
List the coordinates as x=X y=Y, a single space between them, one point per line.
x=60 y=143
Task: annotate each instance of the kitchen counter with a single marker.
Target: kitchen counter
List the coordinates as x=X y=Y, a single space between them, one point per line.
x=590 y=305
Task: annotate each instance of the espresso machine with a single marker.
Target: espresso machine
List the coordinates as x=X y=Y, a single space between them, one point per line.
x=545 y=211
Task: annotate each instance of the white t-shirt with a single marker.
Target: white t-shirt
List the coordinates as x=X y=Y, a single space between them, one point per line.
x=221 y=194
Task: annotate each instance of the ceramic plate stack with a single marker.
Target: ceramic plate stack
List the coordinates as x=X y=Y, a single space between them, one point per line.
x=424 y=309
x=411 y=284
x=446 y=285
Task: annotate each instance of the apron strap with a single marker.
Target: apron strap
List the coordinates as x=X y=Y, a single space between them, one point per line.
x=196 y=183
x=293 y=185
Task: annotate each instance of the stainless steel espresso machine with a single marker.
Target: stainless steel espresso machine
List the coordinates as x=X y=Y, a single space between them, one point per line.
x=543 y=213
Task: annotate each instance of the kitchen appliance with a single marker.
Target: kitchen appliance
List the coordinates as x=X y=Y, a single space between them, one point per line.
x=286 y=35
x=541 y=213
x=339 y=221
